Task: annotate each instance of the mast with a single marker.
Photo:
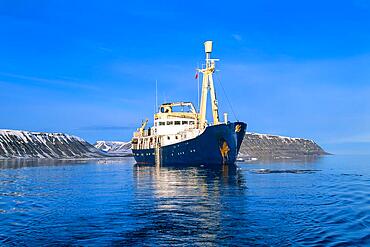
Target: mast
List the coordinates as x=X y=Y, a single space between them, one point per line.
x=207 y=84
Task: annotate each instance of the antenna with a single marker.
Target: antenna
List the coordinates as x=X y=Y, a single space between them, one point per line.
x=156 y=96
x=165 y=97
x=198 y=86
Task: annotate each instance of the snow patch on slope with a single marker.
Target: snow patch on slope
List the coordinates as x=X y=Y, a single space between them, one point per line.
x=265 y=146
x=26 y=144
x=114 y=147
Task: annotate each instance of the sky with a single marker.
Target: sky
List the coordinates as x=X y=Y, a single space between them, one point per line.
x=88 y=68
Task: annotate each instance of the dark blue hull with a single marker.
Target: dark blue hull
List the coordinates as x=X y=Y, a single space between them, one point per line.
x=217 y=145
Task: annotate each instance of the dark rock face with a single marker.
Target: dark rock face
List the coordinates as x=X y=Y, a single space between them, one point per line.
x=264 y=146
x=25 y=144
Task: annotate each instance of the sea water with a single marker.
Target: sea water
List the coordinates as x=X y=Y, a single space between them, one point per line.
x=322 y=201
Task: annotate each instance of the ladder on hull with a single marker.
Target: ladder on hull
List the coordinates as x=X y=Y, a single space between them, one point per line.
x=157 y=154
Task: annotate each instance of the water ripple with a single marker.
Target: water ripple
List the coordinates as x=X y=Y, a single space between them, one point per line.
x=324 y=203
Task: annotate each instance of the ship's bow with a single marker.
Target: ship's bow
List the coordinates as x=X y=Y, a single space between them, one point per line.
x=240 y=129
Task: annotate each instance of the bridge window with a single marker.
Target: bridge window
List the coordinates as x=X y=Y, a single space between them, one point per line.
x=161 y=123
x=191 y=122
x=184 y=122
x=181 y=108
x=169 y=122
x=177 y=122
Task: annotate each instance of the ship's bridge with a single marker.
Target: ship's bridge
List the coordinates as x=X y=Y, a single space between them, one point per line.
x=176 y=108
x=175 y=117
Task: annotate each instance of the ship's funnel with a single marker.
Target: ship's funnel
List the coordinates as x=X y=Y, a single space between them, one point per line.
x=208 y=46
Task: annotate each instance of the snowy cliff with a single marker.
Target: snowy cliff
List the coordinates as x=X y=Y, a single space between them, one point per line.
x=116 y=148
x=25 y=144
x=260 y=146
x=264 y=146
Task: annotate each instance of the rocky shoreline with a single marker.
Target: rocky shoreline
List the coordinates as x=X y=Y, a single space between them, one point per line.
x=38 y=145
x=268 y=147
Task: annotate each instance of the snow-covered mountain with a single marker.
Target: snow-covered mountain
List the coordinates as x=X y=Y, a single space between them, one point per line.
x=265 y=146
x=259 y=146
x=116 y=148
x=26 y=144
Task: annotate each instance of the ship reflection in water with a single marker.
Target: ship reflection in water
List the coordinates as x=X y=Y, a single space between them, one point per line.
x=188 y=201
x=115 y=202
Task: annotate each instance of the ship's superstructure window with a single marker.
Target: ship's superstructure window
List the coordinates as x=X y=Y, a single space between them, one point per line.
x=191 y=122
x=184 y=122
x=169 y=122
x=168 y=138
x=177 y=122
x=161 y=123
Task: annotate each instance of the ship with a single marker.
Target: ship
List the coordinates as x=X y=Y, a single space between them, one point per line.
x=181 y=135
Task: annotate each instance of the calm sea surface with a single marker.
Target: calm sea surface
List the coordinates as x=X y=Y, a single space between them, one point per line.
x=114 y=202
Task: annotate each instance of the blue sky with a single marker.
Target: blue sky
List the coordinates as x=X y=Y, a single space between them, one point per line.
x=294 y=68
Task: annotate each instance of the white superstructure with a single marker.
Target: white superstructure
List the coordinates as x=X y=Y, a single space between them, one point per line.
x=179 y=121
x=173 y=123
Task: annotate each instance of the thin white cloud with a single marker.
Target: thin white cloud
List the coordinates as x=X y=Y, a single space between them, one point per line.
x=105 y=49
x=320 y=71
x=237 y=37
x=59 y=82
x=357 y=138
